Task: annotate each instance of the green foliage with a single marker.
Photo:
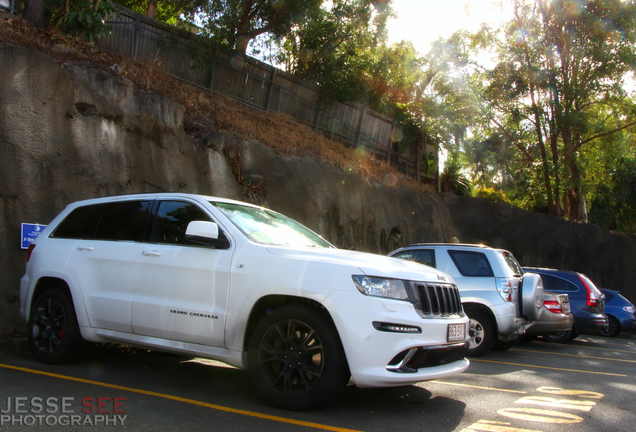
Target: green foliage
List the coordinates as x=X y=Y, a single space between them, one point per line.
x=338 y=46
x=492 y=195
x=614 y=205
x=168 y=11
x=82 y=18
x=452 y=180
x=232 y=24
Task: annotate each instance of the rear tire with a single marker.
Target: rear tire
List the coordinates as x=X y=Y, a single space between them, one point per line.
x=504 y=346
x=614 y=327
x=483 y=333
x=296 y=360
x=559 y=337
x=54 y=335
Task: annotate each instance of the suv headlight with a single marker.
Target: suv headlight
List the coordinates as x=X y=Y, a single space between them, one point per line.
x=380 y=287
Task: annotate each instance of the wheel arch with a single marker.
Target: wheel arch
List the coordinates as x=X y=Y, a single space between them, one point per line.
x=266 y=304
x=46 y=282
x=484 y=309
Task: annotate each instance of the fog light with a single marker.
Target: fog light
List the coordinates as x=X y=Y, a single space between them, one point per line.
x=396 y=328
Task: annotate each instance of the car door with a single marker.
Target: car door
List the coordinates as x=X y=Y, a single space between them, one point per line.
x=181 y=290
x=104 y=265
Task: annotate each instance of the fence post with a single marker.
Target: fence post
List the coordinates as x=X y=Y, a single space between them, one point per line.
x=269 y=90
x=135 y=38
x=317 y=115
x=212 y=73
x=360 y=122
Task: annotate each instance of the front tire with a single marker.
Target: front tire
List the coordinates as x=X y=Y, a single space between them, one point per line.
x=296 y=360
x=483 y=333
x=54 y=335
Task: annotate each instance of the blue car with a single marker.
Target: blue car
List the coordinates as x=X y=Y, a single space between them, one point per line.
x=620 y=313
x=587 y=302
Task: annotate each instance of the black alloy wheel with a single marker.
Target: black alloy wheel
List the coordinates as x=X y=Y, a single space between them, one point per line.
x=54 y=334
x=295 y=359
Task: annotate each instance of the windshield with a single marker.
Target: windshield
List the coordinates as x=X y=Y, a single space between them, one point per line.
x=512 y=263
x=269 y=228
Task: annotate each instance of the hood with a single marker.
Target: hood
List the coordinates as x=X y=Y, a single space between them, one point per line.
x=369 y=264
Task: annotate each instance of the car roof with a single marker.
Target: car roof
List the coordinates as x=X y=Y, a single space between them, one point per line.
x=549 y=270
x=154 y=195
x=479 y=246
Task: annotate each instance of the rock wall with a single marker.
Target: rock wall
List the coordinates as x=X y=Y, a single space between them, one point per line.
x=71 y=132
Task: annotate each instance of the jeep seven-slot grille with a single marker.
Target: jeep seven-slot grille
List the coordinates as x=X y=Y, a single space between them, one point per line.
x=439 y=299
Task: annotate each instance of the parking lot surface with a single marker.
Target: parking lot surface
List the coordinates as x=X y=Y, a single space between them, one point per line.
x=586 y=385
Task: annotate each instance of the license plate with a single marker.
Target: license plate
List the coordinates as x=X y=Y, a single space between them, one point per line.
x=456 y=332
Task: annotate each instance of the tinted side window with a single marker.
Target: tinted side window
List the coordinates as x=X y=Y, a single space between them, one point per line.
x=471 y=263
x=171 y=222
x=552 y=283
x=422 y=256
x=80 y=223
x=125 y=221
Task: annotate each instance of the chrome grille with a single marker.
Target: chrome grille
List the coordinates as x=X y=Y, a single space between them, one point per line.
x=439 y=299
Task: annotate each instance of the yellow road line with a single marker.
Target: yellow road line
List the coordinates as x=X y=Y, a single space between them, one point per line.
x=476 y=387
x=180 y=399
x=573 y=355
x=579 y=345
x=547 y=367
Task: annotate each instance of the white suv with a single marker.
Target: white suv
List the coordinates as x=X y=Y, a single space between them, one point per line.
x=241 y=284
x=500 y=300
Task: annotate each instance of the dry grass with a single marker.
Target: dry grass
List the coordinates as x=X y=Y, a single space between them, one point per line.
x=206 y=111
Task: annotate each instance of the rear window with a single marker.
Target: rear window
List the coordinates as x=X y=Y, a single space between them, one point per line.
x=472 y=264
x=553 y=283
x=512 y=263
x=80 y=223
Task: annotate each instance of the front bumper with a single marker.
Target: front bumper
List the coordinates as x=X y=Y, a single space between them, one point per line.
x=380 y=358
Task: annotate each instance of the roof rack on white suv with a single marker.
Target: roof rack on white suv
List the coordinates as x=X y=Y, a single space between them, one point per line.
x=499 y=299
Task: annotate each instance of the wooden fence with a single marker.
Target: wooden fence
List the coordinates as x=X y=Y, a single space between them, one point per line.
x=254 y=83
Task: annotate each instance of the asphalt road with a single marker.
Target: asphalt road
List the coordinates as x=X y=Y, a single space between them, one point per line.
x=586 y=385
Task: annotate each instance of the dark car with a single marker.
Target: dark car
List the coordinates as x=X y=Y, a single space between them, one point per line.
x=587 y=302
x=619 y=312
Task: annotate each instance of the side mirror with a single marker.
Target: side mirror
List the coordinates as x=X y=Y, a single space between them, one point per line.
x=202 y=232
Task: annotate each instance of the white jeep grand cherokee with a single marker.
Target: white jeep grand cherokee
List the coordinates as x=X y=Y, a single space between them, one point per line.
x=241 y=284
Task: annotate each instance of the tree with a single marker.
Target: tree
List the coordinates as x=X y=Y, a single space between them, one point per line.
x=557 y=87
x=615 y=206
x=34 y=13
x=168 y=11
x=453 y=180
x=234 y=23
x=338 y=46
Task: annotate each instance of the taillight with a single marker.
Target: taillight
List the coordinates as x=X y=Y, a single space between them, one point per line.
x=552 y=306
x=504 y=286
x=591 y=295
x=31 y=247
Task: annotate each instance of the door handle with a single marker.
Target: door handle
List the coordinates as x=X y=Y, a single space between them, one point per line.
x=151 y=253
x=85 y=248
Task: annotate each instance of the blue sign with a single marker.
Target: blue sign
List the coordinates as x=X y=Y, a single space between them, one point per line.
x=30 y=232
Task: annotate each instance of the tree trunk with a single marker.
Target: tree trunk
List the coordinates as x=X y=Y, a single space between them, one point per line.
x=34 y=13
x=151 y=11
